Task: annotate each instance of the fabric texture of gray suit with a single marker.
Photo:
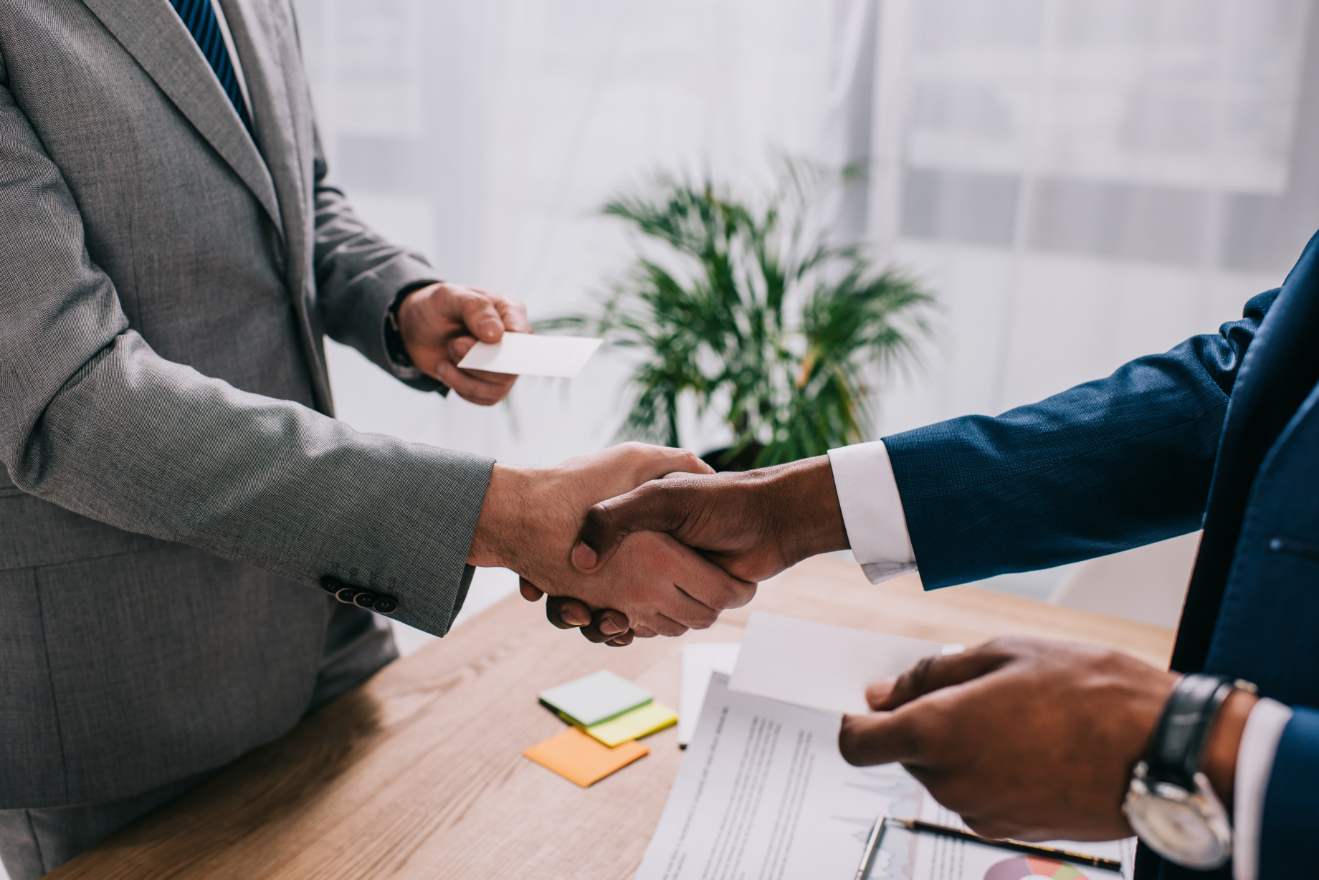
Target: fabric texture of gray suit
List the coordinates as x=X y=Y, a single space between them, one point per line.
x=176 y=483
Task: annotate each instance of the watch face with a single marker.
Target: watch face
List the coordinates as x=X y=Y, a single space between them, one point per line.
x=1177 y=828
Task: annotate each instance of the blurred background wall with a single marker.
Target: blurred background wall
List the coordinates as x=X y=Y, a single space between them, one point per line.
x=1080 y=181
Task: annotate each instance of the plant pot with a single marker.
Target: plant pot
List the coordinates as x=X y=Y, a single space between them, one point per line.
x=722 y=459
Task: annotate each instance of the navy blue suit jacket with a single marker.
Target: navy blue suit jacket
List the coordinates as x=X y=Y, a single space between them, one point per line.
x=1221 y=433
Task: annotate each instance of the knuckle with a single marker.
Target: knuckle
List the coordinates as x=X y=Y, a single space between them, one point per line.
x=918 y=678
x=721 y=599
x=743 y=593
x=704 y=620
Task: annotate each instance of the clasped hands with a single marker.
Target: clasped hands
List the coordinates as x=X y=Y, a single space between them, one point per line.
x=1024 y=738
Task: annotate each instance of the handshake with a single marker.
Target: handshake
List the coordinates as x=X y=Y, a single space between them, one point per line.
x=637 y=541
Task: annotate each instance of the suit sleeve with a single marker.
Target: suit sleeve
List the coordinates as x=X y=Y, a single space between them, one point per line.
x=1291 y=804
x=358 y=276
x=94 y=420
x=1101 y=467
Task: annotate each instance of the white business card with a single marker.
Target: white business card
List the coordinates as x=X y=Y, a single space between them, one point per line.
x=523 y=354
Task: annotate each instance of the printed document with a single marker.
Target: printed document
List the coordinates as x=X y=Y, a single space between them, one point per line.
x=764 y=793
x=905 y=855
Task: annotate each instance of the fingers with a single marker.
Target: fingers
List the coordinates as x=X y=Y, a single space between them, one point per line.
x=472 y=386
x=933 y=673
x=654 y=462
x=566 y=613
x=667 y=626
x=606 y=626
x=877 y=692
x=457 y=350
x=486 y=316
x=511 y=311
x=479 y=313
x=529 y=591
x=716 y=589
x=648 y=508
x=875 y=739
x=670 y=588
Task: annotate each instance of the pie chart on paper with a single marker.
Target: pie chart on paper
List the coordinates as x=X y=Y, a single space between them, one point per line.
x=1023 y=867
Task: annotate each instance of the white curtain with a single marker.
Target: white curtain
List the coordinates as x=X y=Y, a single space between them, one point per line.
x=1085 y=181
x=1080 y=181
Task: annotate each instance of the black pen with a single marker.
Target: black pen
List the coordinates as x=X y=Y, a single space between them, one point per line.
x=1016 y=845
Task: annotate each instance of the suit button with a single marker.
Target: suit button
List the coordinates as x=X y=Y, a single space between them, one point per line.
x=346 y=595
x=385 y=604
x=364 y=599
x=332 y=584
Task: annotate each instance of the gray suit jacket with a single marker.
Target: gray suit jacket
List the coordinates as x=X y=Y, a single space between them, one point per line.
x=176 y=484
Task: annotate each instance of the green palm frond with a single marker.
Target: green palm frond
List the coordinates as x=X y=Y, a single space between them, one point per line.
x=753 y=304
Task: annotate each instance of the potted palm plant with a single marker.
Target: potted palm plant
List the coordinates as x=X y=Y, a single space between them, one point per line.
x=755 y=310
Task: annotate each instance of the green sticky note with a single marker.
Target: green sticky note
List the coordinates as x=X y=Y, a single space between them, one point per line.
x=595 y=698
x=641 y=721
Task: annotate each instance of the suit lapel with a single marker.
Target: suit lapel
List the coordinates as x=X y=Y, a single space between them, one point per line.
x=1277 y=374
x=154 y=35
x=259 y=35
x=266 y=40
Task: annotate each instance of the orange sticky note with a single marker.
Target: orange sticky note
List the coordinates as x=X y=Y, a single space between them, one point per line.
x=582 y=759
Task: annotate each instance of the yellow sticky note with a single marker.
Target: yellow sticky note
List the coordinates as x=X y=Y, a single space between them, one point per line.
x=642 y=721
x=581 y=759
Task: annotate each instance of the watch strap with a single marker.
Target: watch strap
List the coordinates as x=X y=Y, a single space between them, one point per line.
x=1179 y=739
x=395 y=350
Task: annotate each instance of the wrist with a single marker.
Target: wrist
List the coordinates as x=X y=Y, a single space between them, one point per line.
x=800 y=499
x=405 y=312
x=1219 y=763
x=502 y=523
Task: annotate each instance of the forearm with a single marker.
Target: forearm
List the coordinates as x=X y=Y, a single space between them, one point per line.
x=1102 y=467
x=154 y=447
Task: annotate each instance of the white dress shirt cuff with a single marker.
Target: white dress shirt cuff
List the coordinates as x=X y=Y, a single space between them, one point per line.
x=872 y=510
x=1259 y=743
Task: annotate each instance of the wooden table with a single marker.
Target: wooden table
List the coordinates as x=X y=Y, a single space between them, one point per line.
x=419 y=773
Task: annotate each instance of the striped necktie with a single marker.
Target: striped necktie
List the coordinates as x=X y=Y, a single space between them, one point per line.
x=199 y=16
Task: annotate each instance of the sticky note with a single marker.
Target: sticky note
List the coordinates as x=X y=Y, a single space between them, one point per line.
x=523 y=354
x=642 y=721
x=581 y=759
x=595 y=698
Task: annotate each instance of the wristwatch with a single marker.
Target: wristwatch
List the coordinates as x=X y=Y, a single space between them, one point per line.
x=395 y=350
x=1169 y=802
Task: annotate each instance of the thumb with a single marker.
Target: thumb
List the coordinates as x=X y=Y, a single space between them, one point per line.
x=479 y=314
x=649 y=508
x=529 y=591
x=937 y=672
x=874 y=739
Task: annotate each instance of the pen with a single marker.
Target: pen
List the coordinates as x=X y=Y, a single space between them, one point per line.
x=1028 y=848
x=872 y=844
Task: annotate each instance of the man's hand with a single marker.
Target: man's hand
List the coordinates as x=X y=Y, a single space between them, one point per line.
x=440 y=324
x=531 y=517
x=753 y=524
x=1030 y=739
